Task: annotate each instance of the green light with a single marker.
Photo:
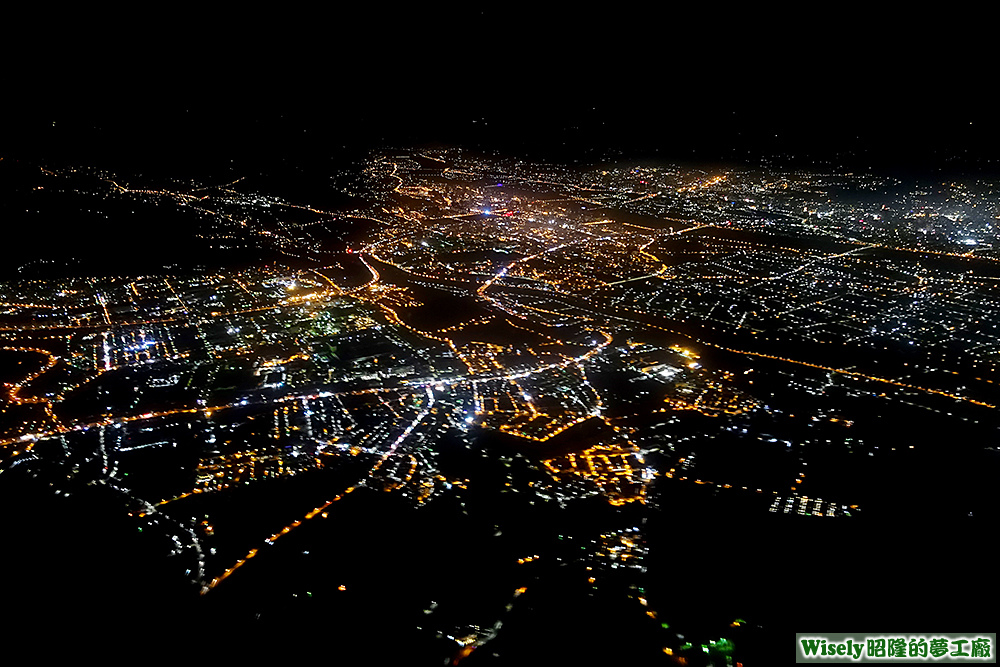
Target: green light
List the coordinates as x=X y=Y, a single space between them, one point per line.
x=723 y=646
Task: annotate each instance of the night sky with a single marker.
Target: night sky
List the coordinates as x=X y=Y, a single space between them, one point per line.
x=807 y=88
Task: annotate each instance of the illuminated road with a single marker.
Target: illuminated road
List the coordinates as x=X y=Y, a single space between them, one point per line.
x=320 y=510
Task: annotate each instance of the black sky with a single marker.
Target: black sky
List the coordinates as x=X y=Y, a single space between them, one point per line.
x=908 y=93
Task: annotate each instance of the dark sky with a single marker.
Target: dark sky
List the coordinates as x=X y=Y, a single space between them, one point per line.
x=910 y=93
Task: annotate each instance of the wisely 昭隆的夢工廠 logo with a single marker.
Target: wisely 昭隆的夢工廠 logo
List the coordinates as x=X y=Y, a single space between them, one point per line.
x=844 y=648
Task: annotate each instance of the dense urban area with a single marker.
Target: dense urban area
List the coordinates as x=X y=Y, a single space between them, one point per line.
x=495 y=409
